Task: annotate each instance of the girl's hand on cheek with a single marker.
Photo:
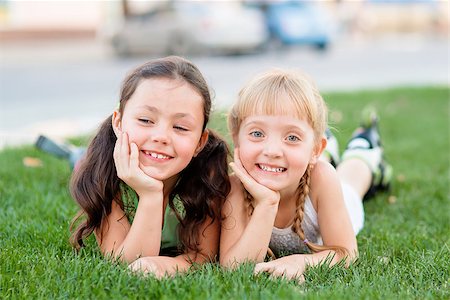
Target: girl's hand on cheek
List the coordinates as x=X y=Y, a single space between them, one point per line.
x=260 y=193
x=126 y=158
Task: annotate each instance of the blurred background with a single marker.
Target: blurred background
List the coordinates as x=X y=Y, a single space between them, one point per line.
x=62 y=62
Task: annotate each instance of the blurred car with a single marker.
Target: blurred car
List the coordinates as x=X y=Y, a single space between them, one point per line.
x=186 y=27
x=299 y=22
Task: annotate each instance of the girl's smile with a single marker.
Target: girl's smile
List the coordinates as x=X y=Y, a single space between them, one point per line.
x=270 y=169
x=156 y=156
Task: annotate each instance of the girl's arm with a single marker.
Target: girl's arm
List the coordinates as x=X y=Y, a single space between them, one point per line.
x=243 y=237
x=116 y=236
x=163 y=265
x=334 y=223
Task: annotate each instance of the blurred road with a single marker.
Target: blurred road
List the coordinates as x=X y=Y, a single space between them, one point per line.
x=66 y=88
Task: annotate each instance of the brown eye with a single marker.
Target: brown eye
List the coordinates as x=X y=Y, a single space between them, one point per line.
x=180 y=128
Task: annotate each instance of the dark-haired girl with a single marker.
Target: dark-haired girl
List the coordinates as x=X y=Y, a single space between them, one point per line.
x=154 y=177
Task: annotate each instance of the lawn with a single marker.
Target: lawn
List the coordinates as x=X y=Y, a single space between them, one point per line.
x=404 y=246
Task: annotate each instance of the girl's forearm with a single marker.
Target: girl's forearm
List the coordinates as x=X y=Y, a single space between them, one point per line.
x=144 y=237
x=180 y=263
x=327 y=256
x=254 y=241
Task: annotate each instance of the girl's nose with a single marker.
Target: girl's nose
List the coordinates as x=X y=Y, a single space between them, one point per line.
x=272 y=149
x=160 y=135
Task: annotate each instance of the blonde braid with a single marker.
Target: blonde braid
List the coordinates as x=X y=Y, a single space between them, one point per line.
x=303 y=191
x=249 y=202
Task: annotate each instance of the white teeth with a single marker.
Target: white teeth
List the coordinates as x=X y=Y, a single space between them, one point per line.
x=269 y=169
x=157 y=155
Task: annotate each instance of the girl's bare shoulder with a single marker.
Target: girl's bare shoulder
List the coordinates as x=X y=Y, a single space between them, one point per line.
x=322 y=173
x=235 y=199
x=323 y=178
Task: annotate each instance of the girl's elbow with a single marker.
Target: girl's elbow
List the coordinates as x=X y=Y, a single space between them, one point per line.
x=225 y=261
x=229 y=261
x=350 y=257
x=353 y=255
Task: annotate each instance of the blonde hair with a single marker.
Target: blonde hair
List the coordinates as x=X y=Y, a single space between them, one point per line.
x=280 y=92
x=287 y=93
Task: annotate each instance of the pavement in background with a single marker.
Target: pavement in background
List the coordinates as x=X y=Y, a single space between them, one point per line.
x=66 y=88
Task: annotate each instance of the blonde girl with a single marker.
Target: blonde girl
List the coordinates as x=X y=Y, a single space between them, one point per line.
x=284 y=197
x=154 y=177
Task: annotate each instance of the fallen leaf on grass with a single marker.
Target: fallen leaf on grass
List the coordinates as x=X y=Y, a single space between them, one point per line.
x=32 y=162
x=384 y=259
x=401 y=178
x=392 y=199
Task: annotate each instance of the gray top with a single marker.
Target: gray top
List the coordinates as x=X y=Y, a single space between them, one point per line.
x=284 y=241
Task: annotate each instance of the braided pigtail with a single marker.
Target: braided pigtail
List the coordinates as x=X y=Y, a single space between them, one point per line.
x=249 y=202
x=303 y=191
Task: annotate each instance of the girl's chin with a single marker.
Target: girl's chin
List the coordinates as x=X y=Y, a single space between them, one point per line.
x=271 y=184
x=155 y=174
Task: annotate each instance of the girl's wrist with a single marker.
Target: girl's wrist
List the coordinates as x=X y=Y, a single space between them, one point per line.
x=268 y=207
x=151 y=197
x=268 y=203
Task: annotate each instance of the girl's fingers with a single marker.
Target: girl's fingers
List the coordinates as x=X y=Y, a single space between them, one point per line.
x=278 y=273
x=263 y=267
x=134 y=156
x=257 y=190
x=268 y=267
x=237 y=158
x=243 y=176
x=300 y=279
x=117 y=153
x=125 y=147
x=122 y=155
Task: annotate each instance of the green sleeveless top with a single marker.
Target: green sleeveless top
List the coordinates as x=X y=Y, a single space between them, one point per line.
x=169 y=235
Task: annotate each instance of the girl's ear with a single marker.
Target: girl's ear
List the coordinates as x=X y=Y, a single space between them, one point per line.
x=321 y=145
x=202 y=142
x=116 y=122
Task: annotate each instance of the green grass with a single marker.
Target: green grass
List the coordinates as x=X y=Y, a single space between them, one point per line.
x=404 y=246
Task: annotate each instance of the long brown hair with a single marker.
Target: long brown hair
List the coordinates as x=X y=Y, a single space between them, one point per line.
x=203 y=185
x=280 y=92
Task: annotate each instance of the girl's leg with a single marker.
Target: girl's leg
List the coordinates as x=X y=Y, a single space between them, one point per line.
x=363 y=166
x=65 y=151
x=357 y=174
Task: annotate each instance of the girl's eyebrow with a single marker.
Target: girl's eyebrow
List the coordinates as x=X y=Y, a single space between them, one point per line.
x=254 y=123
x=149 y=108
x=179 y=115
x=295 y=128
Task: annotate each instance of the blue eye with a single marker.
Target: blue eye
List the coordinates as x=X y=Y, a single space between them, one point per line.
x=293 y=138
x=256 y=134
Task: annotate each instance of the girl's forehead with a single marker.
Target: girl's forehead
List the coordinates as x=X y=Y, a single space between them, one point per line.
x=168 y=95
x=277 y=109
x=275 y=120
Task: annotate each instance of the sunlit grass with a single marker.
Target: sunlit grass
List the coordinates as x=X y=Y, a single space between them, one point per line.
x=404 y=246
